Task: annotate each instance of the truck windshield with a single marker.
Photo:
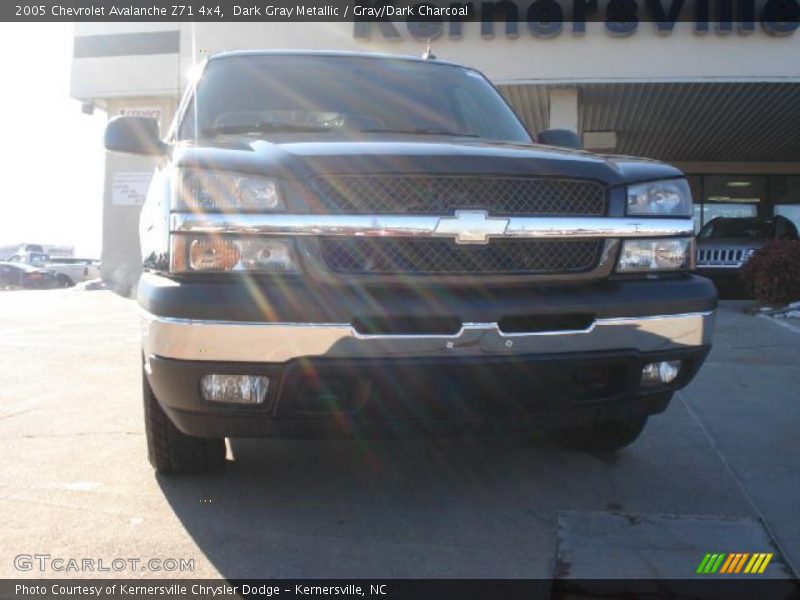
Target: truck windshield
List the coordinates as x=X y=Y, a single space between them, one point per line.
x=353 y=95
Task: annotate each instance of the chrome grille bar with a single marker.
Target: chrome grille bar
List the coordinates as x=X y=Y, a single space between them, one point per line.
x=428 y=226
x=725 y=257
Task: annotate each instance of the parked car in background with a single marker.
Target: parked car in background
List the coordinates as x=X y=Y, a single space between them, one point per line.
x=69 y=270
x=726 y=243
x=91 y=266
x=19 y=276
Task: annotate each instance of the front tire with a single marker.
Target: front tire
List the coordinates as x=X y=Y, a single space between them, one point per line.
x=172 y=452
x=602 y=438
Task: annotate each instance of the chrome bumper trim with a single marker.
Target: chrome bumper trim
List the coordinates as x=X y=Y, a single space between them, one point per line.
x=234 y=341
x=477 y=231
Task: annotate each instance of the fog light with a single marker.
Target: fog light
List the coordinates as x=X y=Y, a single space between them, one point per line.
x=240 y=389
x=661 y=372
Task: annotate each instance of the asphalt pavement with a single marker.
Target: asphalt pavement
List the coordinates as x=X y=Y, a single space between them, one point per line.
x=718 y=472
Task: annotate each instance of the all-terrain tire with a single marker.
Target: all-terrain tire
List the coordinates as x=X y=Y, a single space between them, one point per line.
x=172 y=452
x=602 y=437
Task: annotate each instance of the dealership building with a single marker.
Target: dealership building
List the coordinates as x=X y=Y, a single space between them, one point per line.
x=719 y=100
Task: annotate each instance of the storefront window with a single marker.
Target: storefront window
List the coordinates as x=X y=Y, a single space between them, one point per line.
x=785 y=194
x=712 y=210
x=741 y=196
x=696 y=185
x=697 y=214
x=791 y=212
x=735 y=189
x=731 y=196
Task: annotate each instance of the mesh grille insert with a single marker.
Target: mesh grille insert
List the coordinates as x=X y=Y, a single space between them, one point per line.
x=360 y=194
x=443 y=256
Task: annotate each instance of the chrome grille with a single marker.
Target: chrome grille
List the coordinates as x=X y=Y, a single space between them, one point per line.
x=416 y=256
x=720 y=256
x=359 y=194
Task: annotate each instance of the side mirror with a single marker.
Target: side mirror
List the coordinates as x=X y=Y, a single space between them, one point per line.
x=134 y=135
x=564 y=138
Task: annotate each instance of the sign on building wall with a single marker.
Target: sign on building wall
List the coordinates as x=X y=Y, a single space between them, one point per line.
x=129 y=188
x=151 y=112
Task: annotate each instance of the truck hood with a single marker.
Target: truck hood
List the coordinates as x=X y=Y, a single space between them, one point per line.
x=302 y=156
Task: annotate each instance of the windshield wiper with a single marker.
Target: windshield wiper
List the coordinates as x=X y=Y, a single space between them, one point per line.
x=261 y=128
x=423 y=131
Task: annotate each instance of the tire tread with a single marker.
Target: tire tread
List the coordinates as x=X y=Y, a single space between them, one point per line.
x=172 y=452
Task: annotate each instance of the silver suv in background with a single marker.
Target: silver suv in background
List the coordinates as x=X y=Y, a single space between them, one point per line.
x=724 y=244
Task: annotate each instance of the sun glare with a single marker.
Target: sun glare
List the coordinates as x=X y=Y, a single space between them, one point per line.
x=53 y=180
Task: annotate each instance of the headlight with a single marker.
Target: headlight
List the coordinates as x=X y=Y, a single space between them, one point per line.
x=191 y=254
x=200 y=190
x=748 y=254
x=668 y=197
x=668 y=254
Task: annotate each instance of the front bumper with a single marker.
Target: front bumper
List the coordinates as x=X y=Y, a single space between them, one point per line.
x=237 y=341
x=328 y=378
x=324 y=398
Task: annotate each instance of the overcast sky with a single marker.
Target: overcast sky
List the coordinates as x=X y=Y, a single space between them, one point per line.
x=52 y=154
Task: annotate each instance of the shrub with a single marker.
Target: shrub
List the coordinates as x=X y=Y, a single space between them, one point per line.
x=773 y=272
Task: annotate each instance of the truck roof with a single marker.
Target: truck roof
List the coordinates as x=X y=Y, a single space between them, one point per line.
x=332 y=54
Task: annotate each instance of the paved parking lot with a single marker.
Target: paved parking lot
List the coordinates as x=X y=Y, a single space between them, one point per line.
x=719 y=471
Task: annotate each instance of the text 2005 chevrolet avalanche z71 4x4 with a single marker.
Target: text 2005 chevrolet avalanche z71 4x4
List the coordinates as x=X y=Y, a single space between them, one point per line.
x=346 y=244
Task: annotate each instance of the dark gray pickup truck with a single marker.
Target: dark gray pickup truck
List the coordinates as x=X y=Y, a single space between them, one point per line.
x=340 y=244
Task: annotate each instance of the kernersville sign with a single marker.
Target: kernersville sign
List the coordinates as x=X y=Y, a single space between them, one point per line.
x=548 y=18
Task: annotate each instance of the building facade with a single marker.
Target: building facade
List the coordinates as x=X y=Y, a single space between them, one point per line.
x=719 y=100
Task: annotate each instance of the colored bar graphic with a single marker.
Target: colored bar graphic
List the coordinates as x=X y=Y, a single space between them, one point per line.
x=717 y=563
x=733 y=564
x=703 y=563
x=728 y=564
x=764 y=564
x=711 y=563
x=755 y=562
x=741 y=562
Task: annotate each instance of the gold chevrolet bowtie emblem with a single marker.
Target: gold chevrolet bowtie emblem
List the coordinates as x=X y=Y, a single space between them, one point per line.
x=470 y=227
